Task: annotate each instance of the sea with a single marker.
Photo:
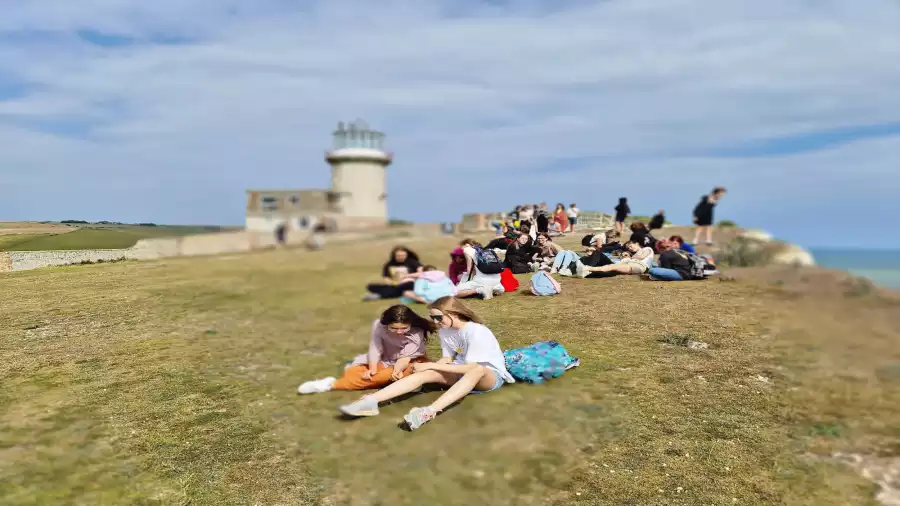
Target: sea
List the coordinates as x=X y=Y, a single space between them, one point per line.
x=881 y=266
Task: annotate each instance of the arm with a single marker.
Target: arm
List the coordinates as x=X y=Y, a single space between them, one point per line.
x=375 y=349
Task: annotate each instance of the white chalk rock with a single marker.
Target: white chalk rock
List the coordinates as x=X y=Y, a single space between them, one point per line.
x=757 y=234
x=794 y=255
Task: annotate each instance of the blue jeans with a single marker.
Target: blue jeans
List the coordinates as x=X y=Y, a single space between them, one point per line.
x=498 y=227
x=663 y=274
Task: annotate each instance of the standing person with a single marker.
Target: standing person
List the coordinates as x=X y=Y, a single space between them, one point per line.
x=543 y=218
x=281 y=234
x=703 y=214
x=657 y=221
x=561 y=216
x=622 y=212
x=397 y=341
x=573 y=213
x=471 y=362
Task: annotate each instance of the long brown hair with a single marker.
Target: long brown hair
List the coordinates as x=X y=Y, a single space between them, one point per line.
x=403 y=314
x=453 y=306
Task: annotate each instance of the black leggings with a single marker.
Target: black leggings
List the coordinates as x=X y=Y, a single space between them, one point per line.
x=390 y=291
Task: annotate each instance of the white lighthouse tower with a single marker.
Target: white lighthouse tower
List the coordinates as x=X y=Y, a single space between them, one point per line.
x=358 y=176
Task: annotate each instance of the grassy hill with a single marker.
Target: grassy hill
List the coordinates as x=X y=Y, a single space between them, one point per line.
x=174 y=383
x=96 y=237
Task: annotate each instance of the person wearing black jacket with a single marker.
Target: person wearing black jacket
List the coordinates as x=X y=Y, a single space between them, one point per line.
x=543 y=218
x=622 y=212
x=520 y=255
x=703 y=214
x=657 y=221
x=641 y=235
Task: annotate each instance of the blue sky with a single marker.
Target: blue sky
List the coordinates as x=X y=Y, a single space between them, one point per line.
x=167 y=111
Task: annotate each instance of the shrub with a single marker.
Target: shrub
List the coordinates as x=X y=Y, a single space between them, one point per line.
x=726 y=224
x=745 y=252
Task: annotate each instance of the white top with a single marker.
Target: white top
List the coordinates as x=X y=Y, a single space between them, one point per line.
x=526 y=214
x=572 y=212
x=644 y=255
x=474 y=344
x=480 y=277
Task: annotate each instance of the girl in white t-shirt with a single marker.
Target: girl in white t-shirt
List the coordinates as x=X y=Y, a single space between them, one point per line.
x=471 y=363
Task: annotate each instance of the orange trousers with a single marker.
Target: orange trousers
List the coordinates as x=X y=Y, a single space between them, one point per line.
x=352 y=379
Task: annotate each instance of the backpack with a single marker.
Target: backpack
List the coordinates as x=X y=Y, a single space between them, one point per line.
x=539 y=362
x=699 y=265
x=543 y=284
x=509 y=282
x=434 y=290
x=487 y=261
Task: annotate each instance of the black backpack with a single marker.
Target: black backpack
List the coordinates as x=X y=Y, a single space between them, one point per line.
x=487 y=262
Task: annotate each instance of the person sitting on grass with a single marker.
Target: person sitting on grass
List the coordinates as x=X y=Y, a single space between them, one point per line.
x=429 y=286
x=519 y=255
x=546 y=251
x=676 y=265
x=637 y=260
x=398 y=340
x=471 y=362
x=475 y=282
x=641 y=235
x=457 y=267
x=680 y=244
x=401 y=263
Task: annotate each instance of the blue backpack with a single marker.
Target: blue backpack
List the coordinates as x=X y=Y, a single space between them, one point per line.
x=539 y=362
x=542 y=284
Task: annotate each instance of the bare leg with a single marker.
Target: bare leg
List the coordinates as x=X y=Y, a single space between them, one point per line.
x=411 y=383
x=708 y=235
x=620 y=267
x=462 y=294
x=479 y=377
x=697 y=235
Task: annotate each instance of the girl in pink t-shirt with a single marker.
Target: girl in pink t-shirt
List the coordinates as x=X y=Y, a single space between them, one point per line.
x=398 y=340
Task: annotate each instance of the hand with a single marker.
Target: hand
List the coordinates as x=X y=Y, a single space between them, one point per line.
x=399 y=368
x=422 y=366
x=368 y=375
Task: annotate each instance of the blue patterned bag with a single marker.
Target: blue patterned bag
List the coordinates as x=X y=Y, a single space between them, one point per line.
x=539 y=362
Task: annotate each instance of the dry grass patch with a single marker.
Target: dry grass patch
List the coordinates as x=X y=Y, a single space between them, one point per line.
x=174 y=383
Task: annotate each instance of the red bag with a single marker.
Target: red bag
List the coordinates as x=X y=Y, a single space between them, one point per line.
x=509 y=282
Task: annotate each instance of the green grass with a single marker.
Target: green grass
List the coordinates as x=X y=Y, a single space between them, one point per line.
x=174 y=383
x=98 y=237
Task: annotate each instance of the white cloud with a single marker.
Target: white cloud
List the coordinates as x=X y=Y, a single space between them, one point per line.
x=502 y=95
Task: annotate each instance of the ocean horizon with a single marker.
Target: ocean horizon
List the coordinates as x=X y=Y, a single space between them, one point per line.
x=881 y=266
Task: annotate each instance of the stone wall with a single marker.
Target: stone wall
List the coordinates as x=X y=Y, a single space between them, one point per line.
x=200 y=245
x=26 y=260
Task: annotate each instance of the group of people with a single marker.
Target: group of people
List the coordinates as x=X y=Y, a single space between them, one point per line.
x=559 y=222
x=472 y=360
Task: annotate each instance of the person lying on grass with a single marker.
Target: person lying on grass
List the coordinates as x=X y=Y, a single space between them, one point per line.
x=398 y=339
x=636 y=260
x=471 y=363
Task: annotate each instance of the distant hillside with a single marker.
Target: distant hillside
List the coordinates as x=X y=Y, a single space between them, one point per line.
x=98 y=236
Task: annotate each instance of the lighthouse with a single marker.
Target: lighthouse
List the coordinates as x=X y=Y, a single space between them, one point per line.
x=356 y=200
x=358 y=173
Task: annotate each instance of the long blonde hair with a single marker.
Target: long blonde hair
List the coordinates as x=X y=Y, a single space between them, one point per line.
x=453 y=306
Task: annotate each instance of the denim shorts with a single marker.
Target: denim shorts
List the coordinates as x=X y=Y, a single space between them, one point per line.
x=497 y=383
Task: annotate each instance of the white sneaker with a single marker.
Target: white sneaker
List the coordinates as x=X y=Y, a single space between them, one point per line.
x=579 y=270
x=316 y=387
x=487 y=292
x=565 y=271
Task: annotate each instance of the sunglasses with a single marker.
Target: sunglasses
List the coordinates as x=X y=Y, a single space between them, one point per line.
x=437 y=317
